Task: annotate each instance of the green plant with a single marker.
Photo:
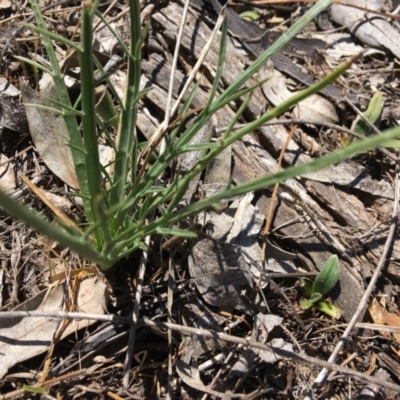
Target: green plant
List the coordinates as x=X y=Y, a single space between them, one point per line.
x=323 y=284
x=131 y=204
x=373 y=114
x=250 y=15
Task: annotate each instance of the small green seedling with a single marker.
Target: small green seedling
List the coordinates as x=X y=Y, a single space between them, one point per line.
x=323 y=284
x=250 y=15
x=373 y=114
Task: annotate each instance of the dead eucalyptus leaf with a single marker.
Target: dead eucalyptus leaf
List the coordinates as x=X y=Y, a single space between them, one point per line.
x=21 y=339
x=369 y=28
x=313 y=108
x=49 y=133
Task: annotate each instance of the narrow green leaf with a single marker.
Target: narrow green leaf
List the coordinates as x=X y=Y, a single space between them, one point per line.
x=92 y=157
x=164 y=160
x=392 y=144
x=274 y=48
x=117 y=37
x=199 y=146
x=191 y=96
x=67 y=239
x=126 y=139
x=45 y=108
x=269 y=180
x=34 y=64
x=34 y=389
x=46 y=33
x=75 y=138
x=220 y=63
x=176 y=232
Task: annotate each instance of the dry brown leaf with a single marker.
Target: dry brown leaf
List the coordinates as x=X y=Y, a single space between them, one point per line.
x=25 y=338
x=7 y=177
x=49 y=133
x=370 y=29
x=12 y=114
x=393 y=320
x=380 y=316
x=376 y=311
x=313 y=108
x=5 y=4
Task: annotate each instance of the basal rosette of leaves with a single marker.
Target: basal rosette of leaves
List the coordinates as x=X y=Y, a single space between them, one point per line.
x=130 y=205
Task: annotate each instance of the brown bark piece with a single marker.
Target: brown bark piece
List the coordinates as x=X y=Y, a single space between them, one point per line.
x=338 y=210
x=249 y=32
x=158 y=72
x=219 y=272
x=195 y=36
x=346 y=209
x=250 y=161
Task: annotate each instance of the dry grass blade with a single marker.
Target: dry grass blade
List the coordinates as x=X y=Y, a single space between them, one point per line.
x=154 y=140
x=59 y=213
x=173 y=69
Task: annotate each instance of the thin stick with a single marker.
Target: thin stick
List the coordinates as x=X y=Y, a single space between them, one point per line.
x=151 y=144
x=206 y=333
x=174 y=65
x=116 y=319
x=271 y=209
x=170 y=299
x=135 y=316
x=279 y=351
x=371 y=286
x=51 y=382
x=273 y=201
x=173 y=70
x=105 y=13
x=266 y=232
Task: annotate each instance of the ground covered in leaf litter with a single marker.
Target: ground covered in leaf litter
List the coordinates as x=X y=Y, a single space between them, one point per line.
x=345 y=210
